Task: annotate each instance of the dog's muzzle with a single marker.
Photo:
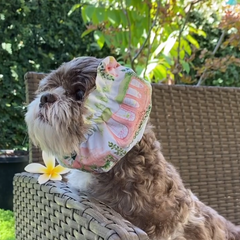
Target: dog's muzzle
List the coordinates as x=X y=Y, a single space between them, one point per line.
x=47 y=98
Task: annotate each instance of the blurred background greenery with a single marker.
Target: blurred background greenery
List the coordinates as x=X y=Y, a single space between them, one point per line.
x=35 y=35
x=7 y=231
x=167 y=41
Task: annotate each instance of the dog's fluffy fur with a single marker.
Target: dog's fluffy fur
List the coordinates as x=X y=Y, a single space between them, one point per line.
x=143 y=187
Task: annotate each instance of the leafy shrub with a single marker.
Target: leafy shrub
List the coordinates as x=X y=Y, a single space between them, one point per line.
x=174 y=42
x=34 y=36
x=156 y=38
x=223 y=67
x=7 y=222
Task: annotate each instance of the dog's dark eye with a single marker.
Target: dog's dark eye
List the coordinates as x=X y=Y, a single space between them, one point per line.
x=79 y=95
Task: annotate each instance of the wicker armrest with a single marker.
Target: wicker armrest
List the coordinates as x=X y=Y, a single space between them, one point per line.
x=54 y=211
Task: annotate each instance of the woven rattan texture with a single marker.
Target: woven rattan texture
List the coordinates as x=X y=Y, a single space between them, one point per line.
x=54 y=212
x=32 y=80
x=199 y=130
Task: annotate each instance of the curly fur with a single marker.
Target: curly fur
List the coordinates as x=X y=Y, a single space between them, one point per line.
x=143 y=187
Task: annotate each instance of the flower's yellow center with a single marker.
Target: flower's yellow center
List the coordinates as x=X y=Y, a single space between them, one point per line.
x=50 y=171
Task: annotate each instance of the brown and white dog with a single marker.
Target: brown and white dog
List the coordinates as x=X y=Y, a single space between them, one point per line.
x=143 y=187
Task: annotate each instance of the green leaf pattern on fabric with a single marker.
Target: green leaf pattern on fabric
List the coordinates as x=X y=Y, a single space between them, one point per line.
x=119 y=151
x=103 y=73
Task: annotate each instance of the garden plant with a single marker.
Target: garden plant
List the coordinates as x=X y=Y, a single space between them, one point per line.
x=7 y=221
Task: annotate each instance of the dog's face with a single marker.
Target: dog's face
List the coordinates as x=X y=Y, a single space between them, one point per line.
x=55 y=117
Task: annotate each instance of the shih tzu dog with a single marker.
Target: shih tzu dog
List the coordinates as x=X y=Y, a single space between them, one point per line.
x=92 y=114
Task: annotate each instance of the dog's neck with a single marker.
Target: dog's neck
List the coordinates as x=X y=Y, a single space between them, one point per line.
x=145 y=157
x=145 y=154
x=144 y=172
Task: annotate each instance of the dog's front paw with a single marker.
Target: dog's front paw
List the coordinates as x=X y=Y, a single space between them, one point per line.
x=79 y=180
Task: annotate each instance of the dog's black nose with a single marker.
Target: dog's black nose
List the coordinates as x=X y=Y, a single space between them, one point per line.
x=47 y=98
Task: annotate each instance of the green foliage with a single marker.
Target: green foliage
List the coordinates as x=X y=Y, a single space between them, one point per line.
x=223 y=67
x=7 y=225
x=34 y=36
x=170 y=41
x=154 y=37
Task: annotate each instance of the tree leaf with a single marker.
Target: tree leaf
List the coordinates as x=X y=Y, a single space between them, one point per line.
x=185 y=65
x=169 y=44
x=159 y=48
x=86 y=32
x=113 y=16
x=100 y=13
x=185 y=45
x=199 y=32
x=74 y=7
x=84 y=16
x=87 y=12
x=193 y=41
x=99 y=37
x=160 y=72
x=123 y=19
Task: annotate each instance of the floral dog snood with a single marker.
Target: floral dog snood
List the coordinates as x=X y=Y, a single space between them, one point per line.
x=118 y=111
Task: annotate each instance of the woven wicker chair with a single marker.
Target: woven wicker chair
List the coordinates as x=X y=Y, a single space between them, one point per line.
x=199 y=129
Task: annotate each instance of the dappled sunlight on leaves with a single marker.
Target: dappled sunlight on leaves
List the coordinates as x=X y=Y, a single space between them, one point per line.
x=157 y=35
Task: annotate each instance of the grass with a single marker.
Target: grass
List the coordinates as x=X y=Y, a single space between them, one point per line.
x=7 y=222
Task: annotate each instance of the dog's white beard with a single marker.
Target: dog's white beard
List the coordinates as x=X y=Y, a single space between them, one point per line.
x=50 y=138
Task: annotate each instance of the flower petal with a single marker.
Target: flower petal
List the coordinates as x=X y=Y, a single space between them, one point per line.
x=35 y=168
x=43 y=178
x=61 y=170
x=49 y=160
x=56 y=176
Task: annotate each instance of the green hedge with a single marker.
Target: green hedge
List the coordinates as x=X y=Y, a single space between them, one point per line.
x=34 y=36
